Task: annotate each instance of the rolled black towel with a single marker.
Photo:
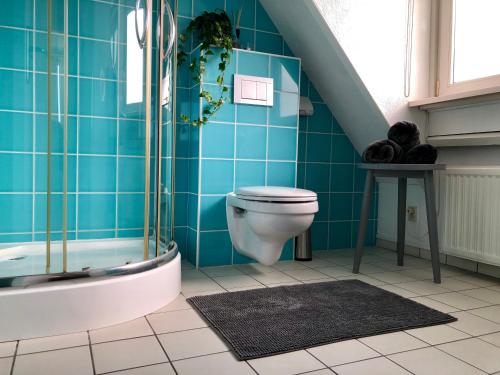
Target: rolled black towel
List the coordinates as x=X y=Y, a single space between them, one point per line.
x=385 y=151
x=405 y=134
x=421 y=154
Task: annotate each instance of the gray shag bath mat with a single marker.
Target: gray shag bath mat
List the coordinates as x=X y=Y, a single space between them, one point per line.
x=262 y=322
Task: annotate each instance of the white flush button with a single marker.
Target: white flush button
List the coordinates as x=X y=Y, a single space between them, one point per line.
x=248 y=89
x=253 y=90
x=261 y=91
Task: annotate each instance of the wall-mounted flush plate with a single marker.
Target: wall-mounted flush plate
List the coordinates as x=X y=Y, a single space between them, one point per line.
x=253 y=90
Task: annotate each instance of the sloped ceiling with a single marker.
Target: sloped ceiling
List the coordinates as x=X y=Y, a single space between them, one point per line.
x=353 y=52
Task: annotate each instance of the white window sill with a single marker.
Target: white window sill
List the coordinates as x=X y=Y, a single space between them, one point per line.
x=472 y=139
x=457 y=100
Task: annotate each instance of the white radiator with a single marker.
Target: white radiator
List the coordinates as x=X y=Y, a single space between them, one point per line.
x=469 y=213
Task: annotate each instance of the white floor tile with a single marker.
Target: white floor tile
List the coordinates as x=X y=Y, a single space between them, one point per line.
x=433 y=304
x=285 y=364
x=345 y=260
x=295 y=282
x=316 y=263
x=221 y=271
x=134 y=328
x=273 y=278
x=178 y=304
x=484 y=294
x=459 y=300
x=255 y=268
x=430 y=360
x=335 y=271
x=479 y=280
x=375 y=366
x=306 y=274
x=185 y=265
x=52 y=342
x=5 y=365
x=342 y=352
x=397 y=290
x=493 y=338
x=327 y=279
x=74 y=361
x=369 y=268
x=289 y=265
x=192 y=343
x=200 y=285
x=161 y=369
x=411 y=261
x=204 y=293
x=440 y=334
x=367 y=279
x=473 y=325
x=176 y=321
x=126 y=354
x=423 y=287
x=367 y=258
x=242 y=288
x=215 y=364
x=456 y=285
x=7 y=349
x=491 y=313
x=476 y=352
x=418 y=273
x=392 y=277
x=193 y=274
x=496 y=288
x=236 y=281
x=325 y=371
x=395 y=342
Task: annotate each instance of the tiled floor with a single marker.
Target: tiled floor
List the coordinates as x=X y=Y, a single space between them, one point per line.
x=175 y=340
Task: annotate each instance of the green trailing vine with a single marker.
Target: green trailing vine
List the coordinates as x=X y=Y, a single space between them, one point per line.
x=214 y=31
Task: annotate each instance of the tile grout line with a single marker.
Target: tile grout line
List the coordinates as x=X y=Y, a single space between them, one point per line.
x=78 y=126
x=159 y=343
x=117 y=141
x=14 y=357
x=91 y=352
x=33 y=160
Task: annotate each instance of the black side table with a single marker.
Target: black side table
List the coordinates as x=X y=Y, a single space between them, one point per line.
x=402 y=172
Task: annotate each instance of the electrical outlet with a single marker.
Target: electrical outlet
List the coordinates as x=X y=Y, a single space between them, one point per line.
x=412 y=214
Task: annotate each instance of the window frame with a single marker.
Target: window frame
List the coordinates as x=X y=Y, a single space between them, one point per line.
x=443 y=85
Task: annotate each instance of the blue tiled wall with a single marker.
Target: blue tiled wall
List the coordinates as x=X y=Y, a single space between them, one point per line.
x=106 y=136
x=327 y=166
x=242 y=145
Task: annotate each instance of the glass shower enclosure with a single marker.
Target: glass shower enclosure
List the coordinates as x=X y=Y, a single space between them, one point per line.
x=86 y=135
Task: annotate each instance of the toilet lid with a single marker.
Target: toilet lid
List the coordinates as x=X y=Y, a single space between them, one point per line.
x=275 y=194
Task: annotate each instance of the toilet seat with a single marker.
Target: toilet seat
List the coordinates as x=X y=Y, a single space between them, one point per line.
x=275 y=194
x=272 y=207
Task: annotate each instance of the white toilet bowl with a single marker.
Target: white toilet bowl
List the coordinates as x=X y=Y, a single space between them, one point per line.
x=262 y=218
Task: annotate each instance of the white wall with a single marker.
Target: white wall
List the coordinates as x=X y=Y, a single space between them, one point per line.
x=373 y=34
x=353 y=52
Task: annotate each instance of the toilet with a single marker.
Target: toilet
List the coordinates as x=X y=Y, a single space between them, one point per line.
x=262 y=218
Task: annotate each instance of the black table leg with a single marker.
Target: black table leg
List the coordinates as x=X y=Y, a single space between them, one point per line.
x=363 y=222
x=432 y=224
x=402 y=185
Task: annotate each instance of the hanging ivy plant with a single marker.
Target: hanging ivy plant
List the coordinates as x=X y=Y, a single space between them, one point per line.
x=214 y=31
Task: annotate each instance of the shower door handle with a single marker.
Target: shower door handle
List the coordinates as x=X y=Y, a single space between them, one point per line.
x=141 y=39
x=171 y=32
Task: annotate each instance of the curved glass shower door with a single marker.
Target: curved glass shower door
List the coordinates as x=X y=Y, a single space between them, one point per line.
x=87 y=168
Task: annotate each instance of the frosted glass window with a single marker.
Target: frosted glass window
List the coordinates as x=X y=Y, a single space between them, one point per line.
x=476 y=34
